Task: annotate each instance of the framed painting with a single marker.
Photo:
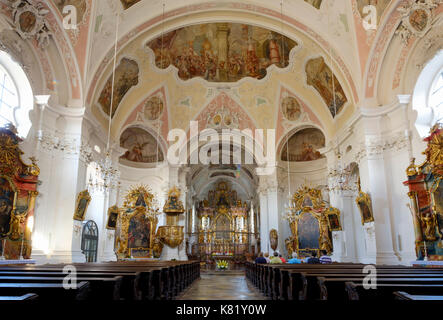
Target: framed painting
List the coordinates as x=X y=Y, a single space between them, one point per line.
x=83 y=200
x=112 y=218
x=364 y=205
x=334 y=219
x=8 y=198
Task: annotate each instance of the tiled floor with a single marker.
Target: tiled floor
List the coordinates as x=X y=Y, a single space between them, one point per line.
x=221 y=286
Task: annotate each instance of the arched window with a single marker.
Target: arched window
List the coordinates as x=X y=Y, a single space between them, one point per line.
x=428 y=95
x=436 y=97
x=90 y=241
x=16 y=97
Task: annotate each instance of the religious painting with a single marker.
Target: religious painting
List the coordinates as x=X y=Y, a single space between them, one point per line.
x=83 y=200
x=364 y=205
x=334 y=219
x=7 y=196
x=308 y=231
x=128 y=3
x=320 y=76
x=142 y=146
x=139 y=231
x=153 y=108
x=380 y=5
x=221 y=52
x=291 y=108
x=27 y=21
x=315 y=3
x=419 y=19
x=304 y=145
x=126 y=76
x=273 y=239
x=80 y=5
x=111 y=224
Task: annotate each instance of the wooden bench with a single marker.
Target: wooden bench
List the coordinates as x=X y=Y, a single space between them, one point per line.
x=46 y=291
x=29 y=296
x=385 y=291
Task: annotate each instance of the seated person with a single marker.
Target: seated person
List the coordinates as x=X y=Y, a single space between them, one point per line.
x=260 y=259
x=283 y=260
x=266 y=255
x=325 y=258
x=275 y=258
x=313 y=259
x=294 y=259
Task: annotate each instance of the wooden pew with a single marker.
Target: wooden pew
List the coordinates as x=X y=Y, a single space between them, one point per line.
x=46 y=291
x=335 y=288
x=99 y=288
x=29 y=296
x=400 y=295
x=385 y=291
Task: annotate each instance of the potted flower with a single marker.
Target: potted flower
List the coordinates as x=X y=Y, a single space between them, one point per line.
x=222 y=265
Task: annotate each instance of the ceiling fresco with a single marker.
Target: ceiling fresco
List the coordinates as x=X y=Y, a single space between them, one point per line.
x=304 y=145
x=320 y=76
x=128 y=3
x=80 y=5
x=141 y=145
x=315 y=3
x=221 y=52
x=126 y=76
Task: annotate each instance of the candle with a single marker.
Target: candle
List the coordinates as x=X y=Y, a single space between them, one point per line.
x=21 y=250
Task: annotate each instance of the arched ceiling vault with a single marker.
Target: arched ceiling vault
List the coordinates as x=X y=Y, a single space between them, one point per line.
x=312 y=46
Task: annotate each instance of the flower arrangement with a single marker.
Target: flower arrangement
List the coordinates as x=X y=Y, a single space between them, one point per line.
x=222 y=264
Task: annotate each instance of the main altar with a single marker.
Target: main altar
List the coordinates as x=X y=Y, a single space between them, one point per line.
x=223 y=232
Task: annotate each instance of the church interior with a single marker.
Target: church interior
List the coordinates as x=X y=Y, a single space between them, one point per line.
x=162 y=150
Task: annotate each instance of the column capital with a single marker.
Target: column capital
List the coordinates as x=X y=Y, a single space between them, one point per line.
x=42 y=100
x=404 y=98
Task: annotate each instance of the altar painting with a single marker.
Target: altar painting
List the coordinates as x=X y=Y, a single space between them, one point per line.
x=308 y=232
x=6 y=205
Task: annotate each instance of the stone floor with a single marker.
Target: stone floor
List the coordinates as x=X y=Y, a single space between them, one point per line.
x=221 y=285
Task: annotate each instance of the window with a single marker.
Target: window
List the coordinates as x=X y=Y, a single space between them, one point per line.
x=90 y=241
x=436 y=97
x=8 y=99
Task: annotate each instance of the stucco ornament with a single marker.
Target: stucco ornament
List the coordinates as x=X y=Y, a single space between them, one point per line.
x=417 y=19
x=29 y=21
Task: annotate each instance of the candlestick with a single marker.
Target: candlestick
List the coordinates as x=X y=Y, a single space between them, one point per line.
x=21 y=251
x=426 y=252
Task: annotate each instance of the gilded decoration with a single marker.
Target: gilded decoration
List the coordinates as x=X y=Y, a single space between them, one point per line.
x=18 y=191
x=136 y=225
x=81 y=206
x=223 y=225
x=311 y=222
x=172 y=234
x=426 y=196
x=364 y=204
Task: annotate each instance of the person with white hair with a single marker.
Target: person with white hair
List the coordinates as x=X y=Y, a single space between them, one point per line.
x=294 y=259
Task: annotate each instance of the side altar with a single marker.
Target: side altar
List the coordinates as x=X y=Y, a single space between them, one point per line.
x=311 y=221
x=426 y=196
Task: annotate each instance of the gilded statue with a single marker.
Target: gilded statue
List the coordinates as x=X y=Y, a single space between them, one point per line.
x=429 y=224
x=288 y=244
x=325 y=241
x=16 y=226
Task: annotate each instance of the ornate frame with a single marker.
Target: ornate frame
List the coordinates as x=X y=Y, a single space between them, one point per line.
x=81 y=196
x=364 y=199
x=334 y=212
x=114 y=210
x=296 y=235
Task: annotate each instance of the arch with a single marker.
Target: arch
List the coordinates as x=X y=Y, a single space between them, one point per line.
x=426 y=115
x=293 y=131
x=24 y=92
x=142 y=147
x=229 y=13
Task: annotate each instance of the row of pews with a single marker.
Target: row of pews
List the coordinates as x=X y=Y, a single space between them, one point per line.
x=141 y=280
x=342 y=282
